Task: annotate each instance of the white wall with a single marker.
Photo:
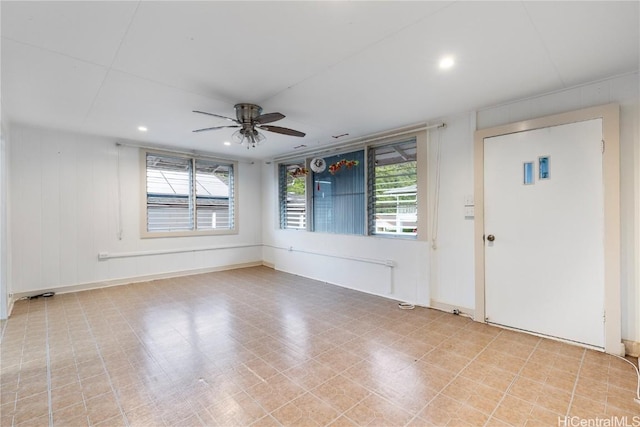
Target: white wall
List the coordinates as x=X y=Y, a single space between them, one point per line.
x=5 y=288
x=452 y=256
x=406 y=281
x=64 y=211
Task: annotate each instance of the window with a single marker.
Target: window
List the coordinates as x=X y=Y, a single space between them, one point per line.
x=293 y=198
x=186 y=196
x=376 y=196
x=392 y=192
x=338 y=195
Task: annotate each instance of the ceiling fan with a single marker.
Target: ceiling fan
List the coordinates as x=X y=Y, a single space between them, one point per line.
x=249 y=119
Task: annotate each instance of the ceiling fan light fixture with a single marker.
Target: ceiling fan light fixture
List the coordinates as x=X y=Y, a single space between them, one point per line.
x=249 y=137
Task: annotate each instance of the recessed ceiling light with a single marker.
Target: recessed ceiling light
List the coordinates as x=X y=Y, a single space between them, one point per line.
x=446 y=62
x=227 y=143
x=142 y=128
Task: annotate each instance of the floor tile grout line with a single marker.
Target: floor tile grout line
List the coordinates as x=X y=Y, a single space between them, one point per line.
x=104 y=366
x=24 y=339
x=306 y=391
x=46 y=323
x=455 y=377
x=575 y=384
x=75 y=361
x=343 y=413
x=267 y=415
x=515 y=378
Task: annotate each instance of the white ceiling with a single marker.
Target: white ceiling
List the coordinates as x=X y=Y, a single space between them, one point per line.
x=330 y=67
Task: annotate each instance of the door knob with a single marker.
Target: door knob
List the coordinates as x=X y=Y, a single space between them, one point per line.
x=491 y=237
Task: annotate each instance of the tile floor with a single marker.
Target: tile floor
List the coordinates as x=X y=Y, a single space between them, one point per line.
x=260 y=347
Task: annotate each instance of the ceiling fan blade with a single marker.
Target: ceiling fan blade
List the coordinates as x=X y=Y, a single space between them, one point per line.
x=284 y=131
x=214 y=128
x=216 y=115
x=269 y=117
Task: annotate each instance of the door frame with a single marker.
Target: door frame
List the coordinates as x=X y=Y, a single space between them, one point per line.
x=610 y=115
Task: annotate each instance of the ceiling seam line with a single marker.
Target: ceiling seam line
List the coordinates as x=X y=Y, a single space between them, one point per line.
x=167 y=85
x=110 y=66
x=544 y=45
x=66 y=55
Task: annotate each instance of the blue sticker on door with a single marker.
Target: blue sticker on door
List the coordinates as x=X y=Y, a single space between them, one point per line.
x=528 y=173
x=543 y=167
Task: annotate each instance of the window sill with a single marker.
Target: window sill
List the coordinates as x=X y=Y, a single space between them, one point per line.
x=163 y=234
x=395 y=236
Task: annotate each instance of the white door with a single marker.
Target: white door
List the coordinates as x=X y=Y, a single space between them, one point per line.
x=544 y=240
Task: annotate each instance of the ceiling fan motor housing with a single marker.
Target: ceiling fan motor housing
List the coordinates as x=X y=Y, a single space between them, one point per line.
x=247 y=113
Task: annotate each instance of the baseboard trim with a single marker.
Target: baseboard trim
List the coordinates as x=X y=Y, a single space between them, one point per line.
x=10 y=303
x=443 y=306
x=631 y=348
x=131 y=280
x=387 y=296
x=269 y=264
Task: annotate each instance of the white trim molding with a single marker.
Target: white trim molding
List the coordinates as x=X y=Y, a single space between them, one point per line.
x=135 y=279
x=443 y=306
x=631 y=348
x=106 y=255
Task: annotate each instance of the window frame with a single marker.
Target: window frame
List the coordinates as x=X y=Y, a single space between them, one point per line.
x=281 y=169
x=370 y=191
x=233 y=202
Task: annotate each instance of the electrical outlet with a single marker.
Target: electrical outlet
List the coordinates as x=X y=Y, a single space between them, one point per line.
x=468 y=200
